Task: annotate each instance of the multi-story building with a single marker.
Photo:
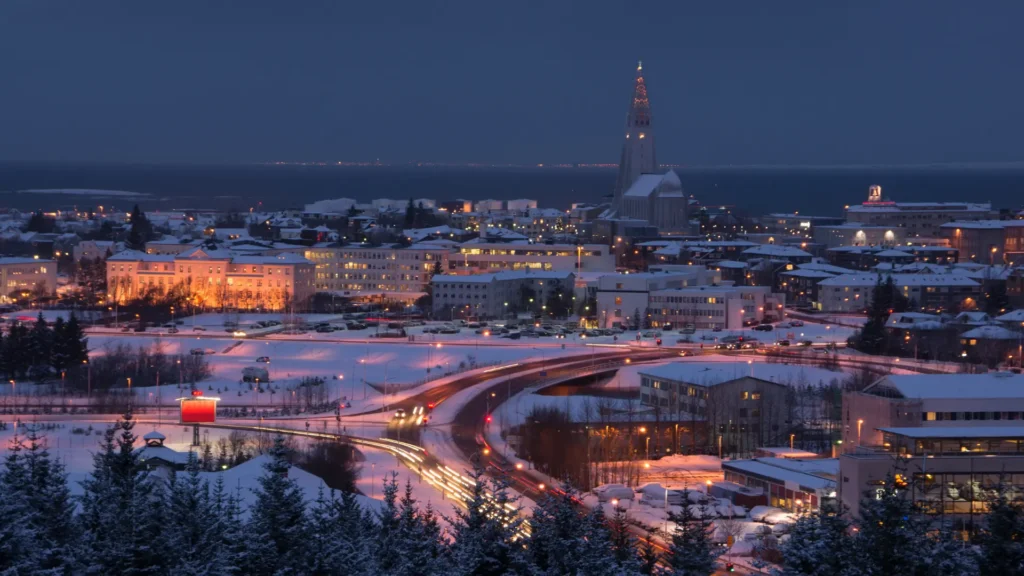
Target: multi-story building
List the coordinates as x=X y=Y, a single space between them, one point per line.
x=931 y=400
x=801 y=286
x=214 y=278
x=869 y=257
x=500 y=294
x=987 y=241
x=797 y=224
x=710 y=307
x=917 y=219
x=742 y=412
x=364 y=269
x=19 y=276
x=475 y=257
x=854 y=234
x=621 y=297
x=93 y=249
x=950 y=470
x=938 y=292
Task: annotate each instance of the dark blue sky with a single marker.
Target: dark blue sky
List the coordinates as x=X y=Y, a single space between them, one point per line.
x=519 y=82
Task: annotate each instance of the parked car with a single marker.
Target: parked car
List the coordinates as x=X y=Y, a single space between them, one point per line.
x=264 y=359
x=172 y=330
x=198 y=329
x=796 y=323
x=764 y=328
x=324 y=329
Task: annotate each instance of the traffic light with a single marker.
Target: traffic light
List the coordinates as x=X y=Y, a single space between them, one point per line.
x=488 y=419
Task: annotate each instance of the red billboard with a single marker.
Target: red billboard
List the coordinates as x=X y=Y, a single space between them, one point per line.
x=198 y=410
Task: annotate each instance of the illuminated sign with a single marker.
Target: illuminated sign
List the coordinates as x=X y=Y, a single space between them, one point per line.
x=198 y=409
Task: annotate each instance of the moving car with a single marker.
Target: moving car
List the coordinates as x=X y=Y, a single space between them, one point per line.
x=264 y=359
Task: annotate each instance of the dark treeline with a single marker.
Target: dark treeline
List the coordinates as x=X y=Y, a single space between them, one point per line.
x=43 y=351
x=132 y=522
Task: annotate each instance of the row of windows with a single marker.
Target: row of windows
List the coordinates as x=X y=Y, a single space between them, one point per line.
x=945 y=416
x=689 y=299
x=370 y=255
x=690 y=312
x=466 y=296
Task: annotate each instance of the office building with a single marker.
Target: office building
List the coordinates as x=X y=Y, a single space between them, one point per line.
x=20 y=277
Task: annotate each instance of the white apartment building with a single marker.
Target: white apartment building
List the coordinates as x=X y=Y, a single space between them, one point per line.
x=710 y=307
x=19 y=275
x=391 y=269
x=93 y=249
x=940 y=292
x=620 y=297
x=213 y=278
x=521 y=205
x=496 y=295
x=474 y=257
x=854 y=234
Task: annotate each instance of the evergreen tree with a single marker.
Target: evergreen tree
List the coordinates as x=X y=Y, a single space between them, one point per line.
x=77 y=345
x=227 y=530
x=556 y=533
x=484 y=535
x=819 y=545
x=325 y=545
x=141 y=230
x=386 y=543
x=597 y=557
x=649 y=556
x=53 y=509
x=41 y=345
x=410 y=216
x=892 y=536
x=59 y=349
x=123 y=509
x=691 y=552
x=189 y=531
x=418 y=544
x=17 y=351
x=1001 y=541
x=623 y=544
x=357 y=529
x=437 y=269
x=19 y=546
x=277 y=528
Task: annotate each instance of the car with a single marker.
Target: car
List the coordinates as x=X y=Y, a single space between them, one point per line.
x=512 y=336
x=796 y=323
x=198 y=329
x=172 y=330
x=764 y=328
x=140 y=328
x=805 y=343
x=264 y=359
x=197 y=352
x=126 y=328
x=324 y=329
x=400 y=414
x=239 y=334
x=716 y=329
x=783 y=343
x=432 y=330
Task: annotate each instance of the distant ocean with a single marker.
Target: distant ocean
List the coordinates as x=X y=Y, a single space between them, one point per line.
x=752 y=191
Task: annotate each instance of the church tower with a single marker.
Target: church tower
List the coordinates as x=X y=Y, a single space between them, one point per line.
x=638 y=147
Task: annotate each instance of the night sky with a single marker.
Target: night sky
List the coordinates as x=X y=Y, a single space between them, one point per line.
x=731 y=83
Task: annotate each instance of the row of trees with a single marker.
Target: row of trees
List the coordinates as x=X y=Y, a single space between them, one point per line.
x=42 y=351
x=131 y=522
x=892 y=536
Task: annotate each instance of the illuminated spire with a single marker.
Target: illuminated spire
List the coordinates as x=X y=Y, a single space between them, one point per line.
x=638 y=147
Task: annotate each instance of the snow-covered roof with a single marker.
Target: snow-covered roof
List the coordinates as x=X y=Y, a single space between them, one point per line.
x=13 y=260
x=825 y=267
x=162 y=453
x=705 y=376
x=154 y=435
x=867 y=280
x=933 y=386
x=890 y=253
x=984 y=224
x=1015 y=316
x=730 y=264
x=991 y=332
x=776 y=250
x=916 y=206
x=139 y=256
x=957 y=432
x=774 y=472
x=800 y=273
x=914 y=321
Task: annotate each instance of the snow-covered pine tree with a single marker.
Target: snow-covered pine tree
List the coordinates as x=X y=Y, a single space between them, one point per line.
x=357 y=532
x=892 y=535
x=1001 y=541
x=228 y=531
x=648 y=554
x=556 y=533
x=59 y=345
x=189 y=530
x=623 y=544
x=691 y=552
x=418 y=546
x=386 y=543
x=949 y=556
x=19 y=546
x=276 y=532
x=819 y=545
x=122 y=510
x=597 y=556
x=52 y=506
x=484 y=543
x=40 y=340
x=324 y=551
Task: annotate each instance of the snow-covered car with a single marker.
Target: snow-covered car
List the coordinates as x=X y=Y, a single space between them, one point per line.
x=757 y=513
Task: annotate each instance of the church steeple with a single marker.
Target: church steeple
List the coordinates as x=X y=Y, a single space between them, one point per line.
x=638 y=147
